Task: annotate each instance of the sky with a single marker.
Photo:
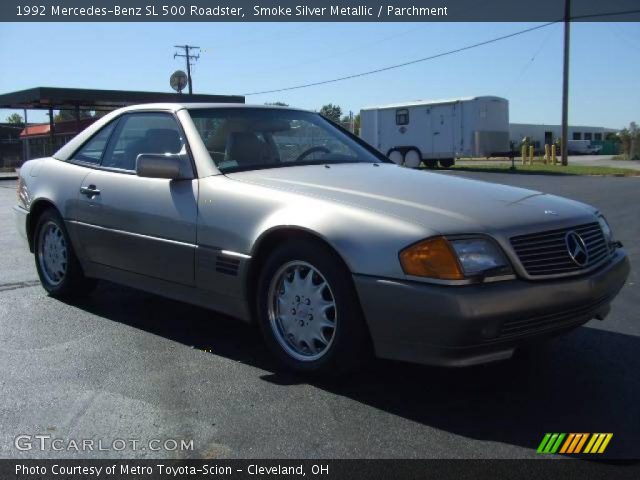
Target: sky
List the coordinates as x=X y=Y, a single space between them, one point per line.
x=240 y=58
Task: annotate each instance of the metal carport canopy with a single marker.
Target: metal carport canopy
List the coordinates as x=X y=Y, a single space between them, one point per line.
x=56 y=98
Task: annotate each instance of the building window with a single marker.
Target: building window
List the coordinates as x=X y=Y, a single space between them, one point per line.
x=587 y=136
x=577 y=135
x=402 y=117
x=597 y=137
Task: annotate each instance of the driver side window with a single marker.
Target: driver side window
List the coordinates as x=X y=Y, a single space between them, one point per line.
x=142 y=133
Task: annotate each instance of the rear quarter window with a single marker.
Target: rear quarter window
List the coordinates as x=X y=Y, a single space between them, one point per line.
x=92 y=151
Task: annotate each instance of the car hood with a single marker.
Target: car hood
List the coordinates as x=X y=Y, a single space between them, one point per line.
x=445 y=203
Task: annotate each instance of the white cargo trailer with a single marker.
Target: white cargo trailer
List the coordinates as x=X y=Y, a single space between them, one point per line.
x=439 y=130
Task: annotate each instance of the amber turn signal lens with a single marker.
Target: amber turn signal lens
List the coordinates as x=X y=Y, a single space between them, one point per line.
x=432 y=258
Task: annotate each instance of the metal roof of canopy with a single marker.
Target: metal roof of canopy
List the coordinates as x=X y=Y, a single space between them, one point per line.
x=91 y=99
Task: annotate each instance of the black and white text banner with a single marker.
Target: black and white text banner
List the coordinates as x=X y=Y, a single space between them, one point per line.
x=315 y=10
x=314 y=469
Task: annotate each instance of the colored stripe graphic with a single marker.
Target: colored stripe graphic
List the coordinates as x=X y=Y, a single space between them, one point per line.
x=551 y=442
x=573 y=443
x=598 y=442
x=556 y=445
x=581 y=443
x=591 y=442
x=604 y=445
x=543 y=443
x=567 y=443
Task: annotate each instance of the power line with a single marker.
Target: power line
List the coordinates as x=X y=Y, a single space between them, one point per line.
x=341 y=53
x=399 y=65
x=604 y=14
x=439 y=55
x=528 y=64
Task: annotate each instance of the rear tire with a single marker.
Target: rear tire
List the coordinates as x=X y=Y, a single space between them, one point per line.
x=308 y=311
x=58 y=268
x=412 y=158
x=446 y=162
x=431 y=163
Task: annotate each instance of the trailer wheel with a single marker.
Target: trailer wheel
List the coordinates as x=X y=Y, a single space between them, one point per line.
x=446 y=162
x=431 y=163
x=412 y=158
x=395 y=156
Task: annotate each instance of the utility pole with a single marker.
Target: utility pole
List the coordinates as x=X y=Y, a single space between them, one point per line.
x=188 y=57
x=565 y=84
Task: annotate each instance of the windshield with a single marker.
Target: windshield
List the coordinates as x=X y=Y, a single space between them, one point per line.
x=253 y=138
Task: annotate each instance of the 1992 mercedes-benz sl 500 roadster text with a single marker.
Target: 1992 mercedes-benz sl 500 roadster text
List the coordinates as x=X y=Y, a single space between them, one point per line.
x=280 y=217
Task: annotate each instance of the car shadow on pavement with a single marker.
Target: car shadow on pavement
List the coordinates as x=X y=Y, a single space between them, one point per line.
x=585 y=381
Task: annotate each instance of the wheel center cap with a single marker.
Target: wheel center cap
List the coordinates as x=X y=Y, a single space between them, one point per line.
x=302 y=311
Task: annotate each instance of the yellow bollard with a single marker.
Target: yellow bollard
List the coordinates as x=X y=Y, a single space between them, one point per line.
x=547 y=151
x=531 y=151
x=553 y=154
x=524 y=154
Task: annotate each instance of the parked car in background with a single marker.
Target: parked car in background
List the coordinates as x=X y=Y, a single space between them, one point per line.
x=583 y=147
x=279 y=217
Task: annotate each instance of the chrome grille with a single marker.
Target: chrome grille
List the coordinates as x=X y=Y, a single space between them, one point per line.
x=545 y=253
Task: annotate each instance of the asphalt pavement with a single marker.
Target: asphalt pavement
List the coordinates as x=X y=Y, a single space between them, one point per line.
x=123 y=364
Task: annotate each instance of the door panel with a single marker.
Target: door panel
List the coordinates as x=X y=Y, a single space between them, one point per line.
x=442 y=129
x=142 y=225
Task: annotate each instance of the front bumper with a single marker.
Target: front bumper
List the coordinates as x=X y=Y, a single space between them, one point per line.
x=472 y=324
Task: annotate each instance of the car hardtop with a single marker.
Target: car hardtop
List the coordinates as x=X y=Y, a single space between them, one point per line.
x=177 y=106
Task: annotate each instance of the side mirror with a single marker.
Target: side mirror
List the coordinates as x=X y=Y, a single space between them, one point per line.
x=163 y=165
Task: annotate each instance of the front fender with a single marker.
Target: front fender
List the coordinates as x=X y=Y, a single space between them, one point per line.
x=238 y=216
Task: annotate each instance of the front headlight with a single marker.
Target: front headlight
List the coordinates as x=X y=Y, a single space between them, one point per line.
x=480 y=255
x=454 y=259
x=606 y=229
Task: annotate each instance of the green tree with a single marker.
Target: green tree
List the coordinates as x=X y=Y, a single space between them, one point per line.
x=612 y=137
x=630 y=139
x=346 y=122
x=277 y=104
x=332 y=112
x=15 y=119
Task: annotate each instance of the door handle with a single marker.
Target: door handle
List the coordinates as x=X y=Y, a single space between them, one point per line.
x=90 y=191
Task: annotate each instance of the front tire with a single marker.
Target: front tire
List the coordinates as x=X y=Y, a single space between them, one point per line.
x=57 y=265
x=308 y=310
x=396 y=156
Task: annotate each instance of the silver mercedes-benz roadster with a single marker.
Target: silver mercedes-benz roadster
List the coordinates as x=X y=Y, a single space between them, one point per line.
x=280 y=217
